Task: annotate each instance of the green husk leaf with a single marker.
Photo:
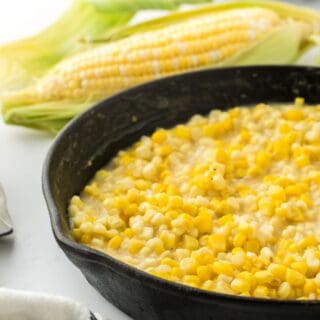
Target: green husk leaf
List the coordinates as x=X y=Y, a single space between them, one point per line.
x=282 y=46
x=49 y=116
x=134 y=6
x=310 y=55
x=23 y=61
x=284 y=11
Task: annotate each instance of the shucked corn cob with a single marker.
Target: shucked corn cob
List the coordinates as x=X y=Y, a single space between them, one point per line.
x=243 y=32
x=195 y=43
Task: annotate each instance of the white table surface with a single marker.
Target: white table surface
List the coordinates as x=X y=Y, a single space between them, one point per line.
x=31 y=259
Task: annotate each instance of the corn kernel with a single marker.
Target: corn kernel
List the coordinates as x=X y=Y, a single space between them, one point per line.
x=135 y=246
x=115 y=242
x=203 y=222
x=183 y=132
x=294 y=114
x=217 y=242
x=295 y=278
x=278 y=271
x=220 y=267
x=204 y=273
x=159 y=136
x=261 y=292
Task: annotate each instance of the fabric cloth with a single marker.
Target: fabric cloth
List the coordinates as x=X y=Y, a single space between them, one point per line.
x=20 y=305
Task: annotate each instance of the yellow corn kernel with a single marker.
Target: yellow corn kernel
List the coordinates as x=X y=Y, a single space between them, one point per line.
x=101 y=174
x=191 y=280
x=165 y=150
x=263 y=159
x=169 y=262
x=221 y=156
x=277 y=194
x=171 y=214
x=210 y=130
x=307 y=200
x=129 y=232
x=285 y=128
x=159 y=136
x=295 y=278
x=314 y=177
x=189 y=265
x=204 y=273
x=248 y=278
x=278 y=270
x=182 y=132
x=220 y=267
x=131 y=209
x=263 y=277
x=254 y=171
x=299 y=101
x=239 y=239
x=284 y=290
x=120 y=203
x=135 y=246
x=204 y=258
x=294 y=114
x=302 y=161
x=168 y=239
x=172 y=190
x=306 y=242
x=142 y=184
x=190 y=208
x=217 y=242
x=252 y=246
x=175 y=202
x=309 y=287
x=203 y=222
x=226 y=220
x=266 y=205
x=261 y=292
x=133 y=195
x=300 y=266
x=161 y=274
x=177 y=272
x=162 y=199
x=115 y=242
x=190 y=243
x=92 y=190
x=240 y=286
x=245 y=135
x=280 y=149
x=85 y=238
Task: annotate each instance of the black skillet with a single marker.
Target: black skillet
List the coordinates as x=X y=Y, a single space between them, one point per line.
x=92 y=139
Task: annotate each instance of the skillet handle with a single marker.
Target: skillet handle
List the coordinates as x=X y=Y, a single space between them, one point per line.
x=92 y=316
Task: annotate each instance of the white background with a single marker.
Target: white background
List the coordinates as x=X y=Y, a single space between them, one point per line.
x=31 y=260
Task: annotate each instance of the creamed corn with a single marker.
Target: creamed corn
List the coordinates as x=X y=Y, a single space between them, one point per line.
x=228 y=203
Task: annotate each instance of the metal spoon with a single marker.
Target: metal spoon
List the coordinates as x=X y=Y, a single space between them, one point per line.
x=6 y=227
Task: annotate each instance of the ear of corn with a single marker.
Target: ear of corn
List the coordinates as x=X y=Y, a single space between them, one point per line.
x=23 y=61
x=241 y=32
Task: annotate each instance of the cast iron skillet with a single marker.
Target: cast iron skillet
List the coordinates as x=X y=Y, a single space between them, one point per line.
x=92 y=139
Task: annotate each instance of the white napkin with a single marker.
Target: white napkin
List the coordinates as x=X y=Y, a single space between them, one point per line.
x=20 y=305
